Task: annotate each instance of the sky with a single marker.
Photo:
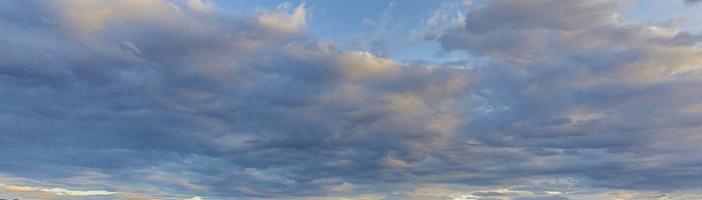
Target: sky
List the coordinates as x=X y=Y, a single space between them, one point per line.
x=363 y=100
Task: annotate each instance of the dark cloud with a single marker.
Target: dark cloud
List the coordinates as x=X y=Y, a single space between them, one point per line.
x=168 y=99
x=584 y=86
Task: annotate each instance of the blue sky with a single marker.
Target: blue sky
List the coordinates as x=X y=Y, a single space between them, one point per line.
x=367 y=100
x=393 y=28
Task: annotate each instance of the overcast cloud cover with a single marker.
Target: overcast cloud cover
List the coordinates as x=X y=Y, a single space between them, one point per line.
x=187 y=99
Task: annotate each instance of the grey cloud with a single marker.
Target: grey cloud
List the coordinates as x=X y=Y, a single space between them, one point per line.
x=204 y=104
x=262 y=113
x=591 y=88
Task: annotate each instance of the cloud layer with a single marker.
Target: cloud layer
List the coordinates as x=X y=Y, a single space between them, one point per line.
x=178 y=99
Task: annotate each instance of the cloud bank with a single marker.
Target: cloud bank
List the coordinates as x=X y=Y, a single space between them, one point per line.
x=177 y=99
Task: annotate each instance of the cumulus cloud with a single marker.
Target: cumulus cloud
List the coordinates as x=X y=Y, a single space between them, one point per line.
x=240 y=94
x=173 y=99
x=578 y=78
x=286 y=18
x=200 y=5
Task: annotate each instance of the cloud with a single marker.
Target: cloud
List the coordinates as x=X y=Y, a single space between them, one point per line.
x=86 y=18
x=57 y=191
x=200 y=5
x=450 y=14
x=285 y=18
x=174 y=99
x=583 y=85
x=158 y=98
x=12 y=187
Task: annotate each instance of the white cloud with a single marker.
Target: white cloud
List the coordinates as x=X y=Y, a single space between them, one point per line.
x=195 y=198
x=286 y=18
x=201 y=5
x=55 y=191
